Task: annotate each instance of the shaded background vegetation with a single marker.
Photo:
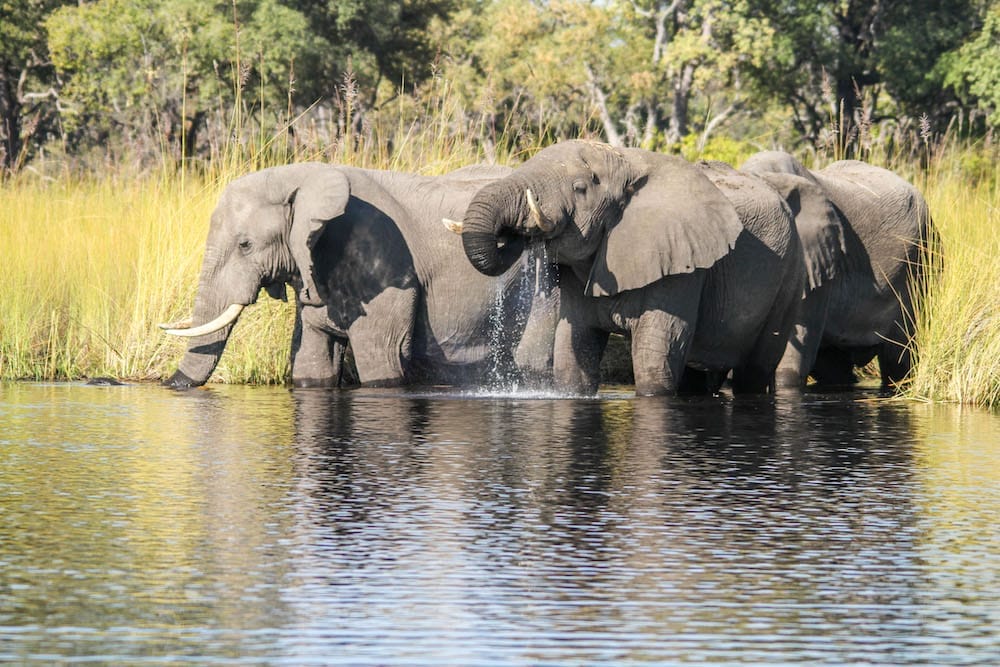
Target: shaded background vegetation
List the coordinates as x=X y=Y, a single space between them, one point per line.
x=130 y=81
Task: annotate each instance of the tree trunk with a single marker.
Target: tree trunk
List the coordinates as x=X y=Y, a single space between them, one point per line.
x=10 y=117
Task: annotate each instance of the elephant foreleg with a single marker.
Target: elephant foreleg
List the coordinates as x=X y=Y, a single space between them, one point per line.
x=577 y=354
x=579 y=345
x=895 y=354
x=660 y=344
x=317 y=354
x=757 y=374
x=382 y=338
x=895 y=357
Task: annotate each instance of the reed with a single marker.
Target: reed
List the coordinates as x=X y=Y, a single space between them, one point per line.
x=958 y=324
x=92 y=263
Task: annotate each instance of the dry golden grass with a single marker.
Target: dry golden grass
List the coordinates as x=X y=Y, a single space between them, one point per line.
x=92 y=265
x=958 y=328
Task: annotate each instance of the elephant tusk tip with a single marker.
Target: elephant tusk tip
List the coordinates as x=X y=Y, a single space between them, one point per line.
x=186 y=329
x=181 y=324
x=453 y=225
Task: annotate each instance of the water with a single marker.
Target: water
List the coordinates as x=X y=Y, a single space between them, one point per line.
x=241 y=525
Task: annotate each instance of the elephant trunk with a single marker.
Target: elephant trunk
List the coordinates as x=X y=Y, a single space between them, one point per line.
x=204 y=351
x=492 y=230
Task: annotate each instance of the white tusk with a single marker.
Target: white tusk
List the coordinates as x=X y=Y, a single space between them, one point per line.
x=453 y=225
x=541 y=221
x=227 y=317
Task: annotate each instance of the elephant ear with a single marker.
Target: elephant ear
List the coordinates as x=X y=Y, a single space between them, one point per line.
x=321 y=196
x=820 y=227
x=676 y=222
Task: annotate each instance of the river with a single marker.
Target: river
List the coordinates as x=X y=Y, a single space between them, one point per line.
x=259 y=525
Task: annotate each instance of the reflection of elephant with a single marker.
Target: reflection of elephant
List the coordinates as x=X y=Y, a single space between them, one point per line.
x=699 y=265
x=370 y=264
x=863 y=230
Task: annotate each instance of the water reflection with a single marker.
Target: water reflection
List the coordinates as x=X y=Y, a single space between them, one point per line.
x=397 y=527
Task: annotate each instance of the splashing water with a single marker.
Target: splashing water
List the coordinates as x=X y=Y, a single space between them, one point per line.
x=522 y=328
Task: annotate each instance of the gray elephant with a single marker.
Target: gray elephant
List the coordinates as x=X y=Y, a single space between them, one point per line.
x=370 y=265
x=699 y=265
x=863 y=231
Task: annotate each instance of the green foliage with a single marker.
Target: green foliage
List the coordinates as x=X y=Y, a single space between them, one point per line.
x=974 y=68
x=27 y=95
x=828 y=55
x=154 y=70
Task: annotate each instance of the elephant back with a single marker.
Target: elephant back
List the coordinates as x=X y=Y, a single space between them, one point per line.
x=764 y=270
x=886 y=219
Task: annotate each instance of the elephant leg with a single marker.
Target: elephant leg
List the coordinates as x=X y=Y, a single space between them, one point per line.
x=533 y=355
x=895 y=360
x=802 y=347
x=895 y=354
x=662 y=324
x=317 y=354
x=660 y=343
x=382 y=338
x=834 y=367
x=579 y=346
x=758 y=372
x=577 y=354
x=696 y=381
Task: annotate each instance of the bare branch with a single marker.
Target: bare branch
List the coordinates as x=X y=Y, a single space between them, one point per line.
x=660 y=42
x=601 y=100
x=716 y=121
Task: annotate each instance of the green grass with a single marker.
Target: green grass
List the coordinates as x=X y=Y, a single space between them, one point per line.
x=958 y=328
x=91 y=265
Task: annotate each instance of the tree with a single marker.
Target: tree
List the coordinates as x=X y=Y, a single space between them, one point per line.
x=28 y=96
x=642 y=72
x=151 y=71
x=834 y=61
x=379 y=40
x=974 y=68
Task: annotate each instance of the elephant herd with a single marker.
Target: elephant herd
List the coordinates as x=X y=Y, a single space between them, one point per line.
x=764 y=276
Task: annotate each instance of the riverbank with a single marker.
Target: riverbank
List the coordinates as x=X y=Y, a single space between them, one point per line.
x=91 y=265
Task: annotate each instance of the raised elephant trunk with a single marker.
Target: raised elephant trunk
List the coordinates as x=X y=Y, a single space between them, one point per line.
x=488 y=234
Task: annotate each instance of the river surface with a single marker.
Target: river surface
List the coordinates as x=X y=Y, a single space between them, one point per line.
x=255 y=525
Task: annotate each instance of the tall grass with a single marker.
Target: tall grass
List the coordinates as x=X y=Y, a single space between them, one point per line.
x=90 y=264
x=958 y=326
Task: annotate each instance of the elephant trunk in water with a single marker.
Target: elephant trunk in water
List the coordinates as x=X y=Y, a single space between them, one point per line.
x=492 y=215
x=213 y=324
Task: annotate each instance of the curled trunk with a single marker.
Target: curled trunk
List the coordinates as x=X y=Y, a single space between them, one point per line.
x=490 y=230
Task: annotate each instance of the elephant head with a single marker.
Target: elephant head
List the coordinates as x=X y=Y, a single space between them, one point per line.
x=621 y=219
x=261 y=236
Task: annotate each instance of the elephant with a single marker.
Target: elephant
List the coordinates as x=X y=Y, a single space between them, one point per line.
x=863 y=232
x=370 y=266
x=699 y=265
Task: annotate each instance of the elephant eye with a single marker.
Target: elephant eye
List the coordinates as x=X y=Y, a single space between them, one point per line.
x=580 y=186
x=245 y=246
